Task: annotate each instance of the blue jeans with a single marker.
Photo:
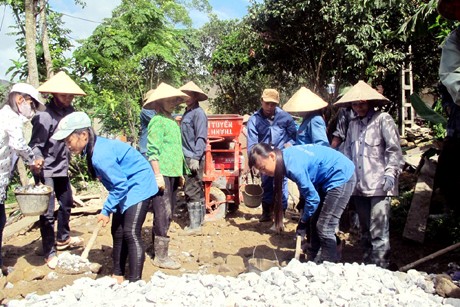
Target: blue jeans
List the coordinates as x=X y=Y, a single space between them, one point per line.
x=325 y=221
x=374 y=220
x=267 y=198
x=127 y=240
x=63 y=193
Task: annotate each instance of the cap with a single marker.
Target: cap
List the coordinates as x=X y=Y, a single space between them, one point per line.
x=270 y=95
x=70 y=123
x=28 y=89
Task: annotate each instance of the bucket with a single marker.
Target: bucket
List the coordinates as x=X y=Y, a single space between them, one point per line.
x=258 y=265
x=33 y=200
x=252 y=195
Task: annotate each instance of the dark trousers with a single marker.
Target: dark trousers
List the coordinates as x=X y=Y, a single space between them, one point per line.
x=63 y=193
x=193 y=187
x=325 y=221
x=2 y=226
x=163 y=204
x=448 y=164
x=127 y=240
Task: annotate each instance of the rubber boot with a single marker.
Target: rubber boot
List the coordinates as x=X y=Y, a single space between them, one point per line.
x=267 y=213
x=203 y=210
x=194 y=213
x=162 y=260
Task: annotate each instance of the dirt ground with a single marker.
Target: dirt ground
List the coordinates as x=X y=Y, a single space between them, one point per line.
x=224 y=248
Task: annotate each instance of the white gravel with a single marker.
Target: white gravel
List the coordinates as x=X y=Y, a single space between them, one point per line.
x=306 y=284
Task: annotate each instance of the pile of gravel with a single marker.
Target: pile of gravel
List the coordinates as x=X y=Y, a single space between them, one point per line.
x=298 y=283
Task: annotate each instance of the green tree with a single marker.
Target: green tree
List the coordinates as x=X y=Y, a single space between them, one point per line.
x=129 y=53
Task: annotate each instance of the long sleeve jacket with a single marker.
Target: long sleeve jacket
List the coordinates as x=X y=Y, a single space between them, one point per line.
x=11 y=141
x=194 y=130
x=372 y=143
x=124 y=172
x=54 y=152
x=316 y=168
x=277 y=131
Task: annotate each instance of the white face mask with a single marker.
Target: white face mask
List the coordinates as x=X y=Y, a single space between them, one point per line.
x=26 y=110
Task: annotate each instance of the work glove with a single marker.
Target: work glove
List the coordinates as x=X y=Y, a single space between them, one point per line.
x=160 y=181
x=388 y=183
x=181 y=181
x=301 y=229
x=194 y=165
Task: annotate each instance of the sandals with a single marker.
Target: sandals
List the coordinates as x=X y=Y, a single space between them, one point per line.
x=71 y=242
x=52 y=262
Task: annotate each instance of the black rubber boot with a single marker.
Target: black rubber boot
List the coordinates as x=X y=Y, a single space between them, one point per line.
x=267 y=213
x=195 y=215
x=162 y=260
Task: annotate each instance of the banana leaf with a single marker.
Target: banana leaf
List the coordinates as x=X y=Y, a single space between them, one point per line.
x=426 y=112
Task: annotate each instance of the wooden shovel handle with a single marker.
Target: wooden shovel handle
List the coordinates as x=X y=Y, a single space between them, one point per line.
x=91 y=241
x=298 y=247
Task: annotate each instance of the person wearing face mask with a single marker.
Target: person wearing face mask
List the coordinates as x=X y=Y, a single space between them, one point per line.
x=20 y=107
x=273 y=126
x=373 y=144
x=56 y=164
x=164 y=152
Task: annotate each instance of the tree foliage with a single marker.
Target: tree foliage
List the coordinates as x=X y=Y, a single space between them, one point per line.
x=130 y=53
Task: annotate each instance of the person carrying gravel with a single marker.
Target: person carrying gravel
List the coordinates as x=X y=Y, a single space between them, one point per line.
x=22 y=102
x=130 y=181
x=316 y=170
x=56 y=166
x=373 y=144
x=164 y=151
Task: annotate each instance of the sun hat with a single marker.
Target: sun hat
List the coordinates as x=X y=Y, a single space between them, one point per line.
x=164 y=91
x=303 y=101
x=146 y=95
x=449 y=9
x=191 y=87
x=61 y=83
x=270 y=95
x=362 y=91
x=28 y=89
x=70 y=123
x=246 y=118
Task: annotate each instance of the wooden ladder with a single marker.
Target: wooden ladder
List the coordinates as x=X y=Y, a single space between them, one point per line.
x=407 y=113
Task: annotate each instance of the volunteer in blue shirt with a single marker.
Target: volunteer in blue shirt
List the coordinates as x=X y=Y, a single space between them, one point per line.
x=271 y=125
x=130 y=180
x=315 y=169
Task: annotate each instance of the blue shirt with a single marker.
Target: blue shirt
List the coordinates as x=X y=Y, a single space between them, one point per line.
x=279 y=130
x=124 y=172
x=194 y=129
x=316 y=168
x=312 y=130
x=145 y=117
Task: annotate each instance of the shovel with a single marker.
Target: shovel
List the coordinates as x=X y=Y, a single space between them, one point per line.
x=298 y=247
x=74 y=264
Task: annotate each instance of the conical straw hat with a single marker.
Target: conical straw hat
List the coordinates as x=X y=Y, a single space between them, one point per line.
x=164 y=91
x=362 y=91
x=192 y=87
x=61 y=83
x=146 y=95
x=303 y=101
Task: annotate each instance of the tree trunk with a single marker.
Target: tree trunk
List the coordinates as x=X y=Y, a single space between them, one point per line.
x=45 y=40
x=31 y=34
